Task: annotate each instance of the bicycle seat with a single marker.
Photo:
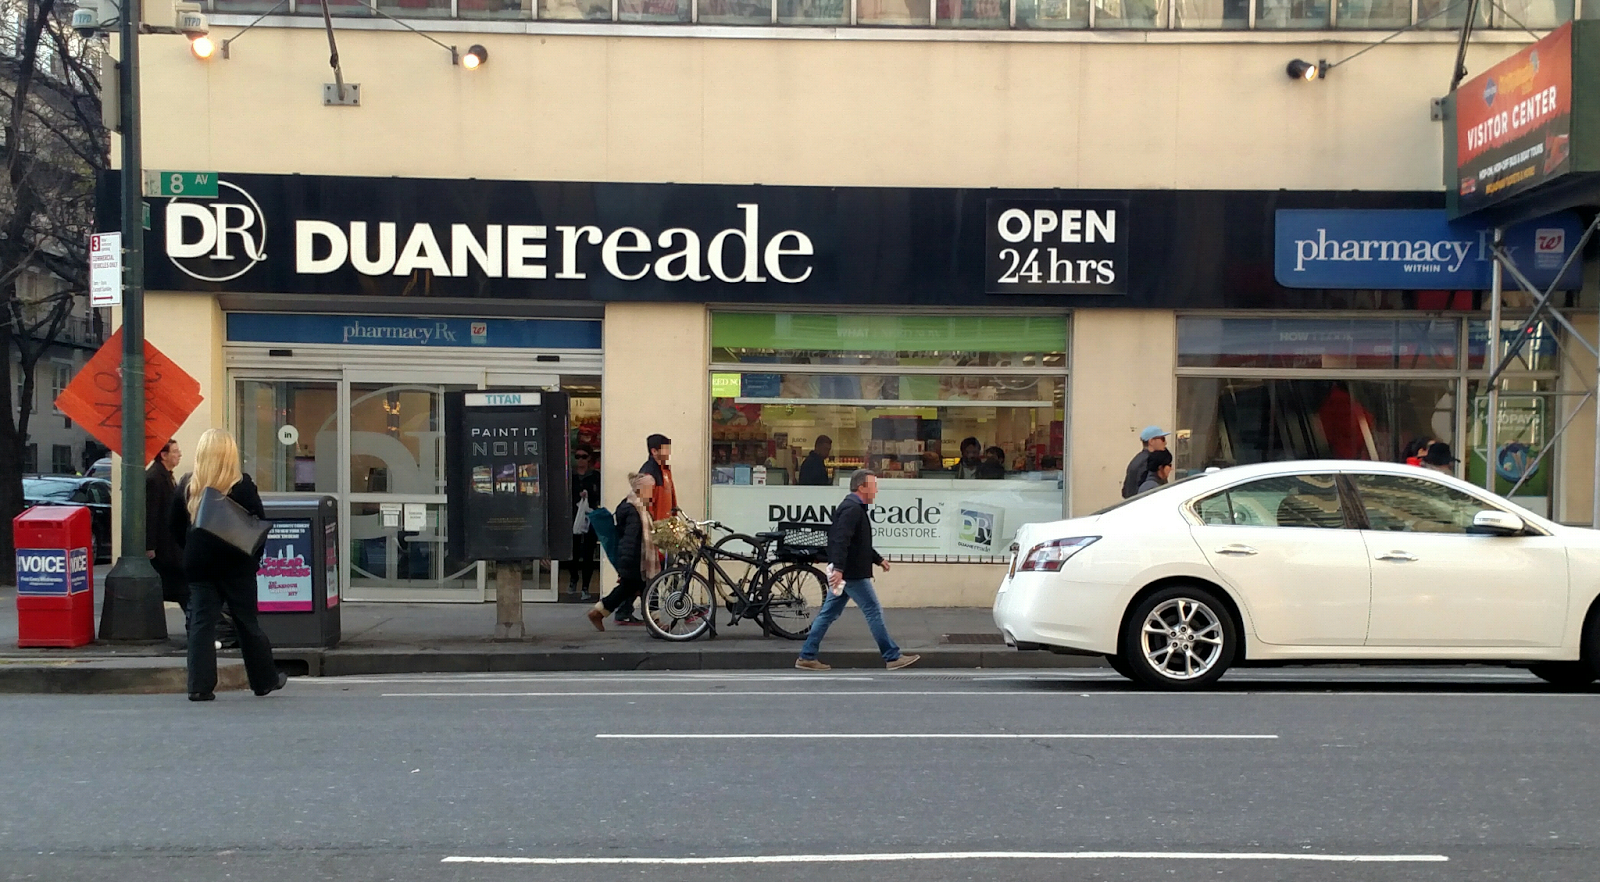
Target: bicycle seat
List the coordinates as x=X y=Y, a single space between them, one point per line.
x=768 y=537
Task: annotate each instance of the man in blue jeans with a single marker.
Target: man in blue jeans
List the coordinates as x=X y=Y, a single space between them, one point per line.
x=851 y=556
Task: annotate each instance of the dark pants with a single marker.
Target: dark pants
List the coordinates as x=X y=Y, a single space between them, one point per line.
x=623 y=596
x=584 y=563
x=205 y=607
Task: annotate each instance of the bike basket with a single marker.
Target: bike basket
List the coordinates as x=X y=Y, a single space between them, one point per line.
x=803 y=542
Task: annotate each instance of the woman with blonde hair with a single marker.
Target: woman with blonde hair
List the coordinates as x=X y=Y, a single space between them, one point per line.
x=220 y=573
x=636 y=561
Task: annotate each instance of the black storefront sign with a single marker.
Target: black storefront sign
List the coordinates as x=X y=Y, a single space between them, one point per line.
x=507 y=484
x=1056 y=247
x=710 y=243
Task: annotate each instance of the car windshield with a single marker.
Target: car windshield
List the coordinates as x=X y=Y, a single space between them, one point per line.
x=1148 y=493
x=47 y=489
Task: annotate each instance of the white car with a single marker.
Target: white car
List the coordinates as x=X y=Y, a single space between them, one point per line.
x=1306 y=562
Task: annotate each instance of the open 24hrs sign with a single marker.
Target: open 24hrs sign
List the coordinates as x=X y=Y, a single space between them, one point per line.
x=1056 y=247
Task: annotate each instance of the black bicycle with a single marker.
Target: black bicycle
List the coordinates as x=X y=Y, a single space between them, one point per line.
x=771 y=578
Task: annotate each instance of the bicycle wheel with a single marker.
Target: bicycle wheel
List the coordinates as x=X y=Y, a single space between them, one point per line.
x=795 y=593
x=678 y=605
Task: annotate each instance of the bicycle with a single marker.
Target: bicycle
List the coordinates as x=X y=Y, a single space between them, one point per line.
x=780 y=587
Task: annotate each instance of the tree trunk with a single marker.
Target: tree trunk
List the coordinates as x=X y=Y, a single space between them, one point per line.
x=12 y=447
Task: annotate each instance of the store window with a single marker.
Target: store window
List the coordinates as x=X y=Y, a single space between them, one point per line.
x=575 y=10
x=962 y=417
x=1052 y=13
x=736 y=12
x=1374 y=14
x=973 y=13
x=892 y=12
x=1213 y=14
x=653 y=10
x=814 y=12
x=1141 y=14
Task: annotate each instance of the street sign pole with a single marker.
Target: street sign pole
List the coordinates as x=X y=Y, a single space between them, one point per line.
x=132 y=611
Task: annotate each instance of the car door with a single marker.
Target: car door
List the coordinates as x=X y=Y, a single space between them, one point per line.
x=1435 y=584
x=1288 y=548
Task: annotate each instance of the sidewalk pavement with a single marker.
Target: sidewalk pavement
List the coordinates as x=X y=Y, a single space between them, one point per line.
x=415 y=638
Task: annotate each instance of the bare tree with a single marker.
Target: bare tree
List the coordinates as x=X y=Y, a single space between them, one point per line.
x=53 y=146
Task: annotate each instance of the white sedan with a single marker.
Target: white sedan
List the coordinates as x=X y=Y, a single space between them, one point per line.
x=1307 y=562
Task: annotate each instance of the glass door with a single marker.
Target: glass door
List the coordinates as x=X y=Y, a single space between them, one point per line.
x=395 y=493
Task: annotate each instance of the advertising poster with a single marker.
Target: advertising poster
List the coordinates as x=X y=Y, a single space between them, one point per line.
x=330 y=561
x=283 y=581
x=52 y=572
x=507 y=474
x=1514 y=123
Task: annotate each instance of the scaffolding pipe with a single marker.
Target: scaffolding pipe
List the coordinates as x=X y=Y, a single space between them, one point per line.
x=1491 y=420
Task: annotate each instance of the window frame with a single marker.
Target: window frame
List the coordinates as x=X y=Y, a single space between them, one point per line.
x=1359 y=507
x=1347 y=503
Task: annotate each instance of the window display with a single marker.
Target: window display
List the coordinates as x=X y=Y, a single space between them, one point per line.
x=966 y=434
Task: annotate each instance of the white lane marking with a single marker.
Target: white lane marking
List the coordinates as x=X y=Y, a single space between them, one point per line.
x=964 y=856
x=861 y=736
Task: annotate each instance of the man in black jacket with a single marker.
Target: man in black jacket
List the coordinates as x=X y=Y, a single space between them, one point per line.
x=166 y=555
x=850 y=560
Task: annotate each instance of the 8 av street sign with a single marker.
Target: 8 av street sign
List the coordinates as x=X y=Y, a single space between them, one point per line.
x=201 y=185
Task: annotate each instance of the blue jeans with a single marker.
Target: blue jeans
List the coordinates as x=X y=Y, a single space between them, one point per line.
x=859 y=590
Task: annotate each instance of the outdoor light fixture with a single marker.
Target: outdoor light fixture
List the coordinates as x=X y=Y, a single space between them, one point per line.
x=475 y=57
x=202 y=47
x=1304 y=70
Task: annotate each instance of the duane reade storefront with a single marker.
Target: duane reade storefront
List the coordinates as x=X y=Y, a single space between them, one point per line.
x=783 y=336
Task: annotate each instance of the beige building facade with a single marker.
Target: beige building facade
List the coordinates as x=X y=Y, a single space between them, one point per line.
x=889 y=157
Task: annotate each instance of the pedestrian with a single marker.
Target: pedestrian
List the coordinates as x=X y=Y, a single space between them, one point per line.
x=1416 y=449
x=814 y=470
x=585 y=544
x=663 y=505
x=1439 y=458
x=1159 y=464
x=166 y=555
x=220 y=573
x=993 y=466
x=1154 y=438
x=850 y=560
x=967 y=466
x=636 y=558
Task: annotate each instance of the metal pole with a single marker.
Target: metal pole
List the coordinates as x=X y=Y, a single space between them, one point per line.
x=1491 y=357
x=133 y=608
x=1594 y=519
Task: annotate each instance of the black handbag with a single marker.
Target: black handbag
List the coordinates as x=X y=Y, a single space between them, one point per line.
x=231 y=522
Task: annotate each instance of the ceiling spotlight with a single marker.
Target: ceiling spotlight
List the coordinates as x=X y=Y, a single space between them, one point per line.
x=1302 y=70
x=202 y=47
x=475 y=57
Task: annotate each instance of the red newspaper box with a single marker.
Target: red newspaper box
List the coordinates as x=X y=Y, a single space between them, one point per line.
x=55 y=581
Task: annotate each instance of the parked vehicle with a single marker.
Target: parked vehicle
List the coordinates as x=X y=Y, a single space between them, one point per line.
x=1308 y=562
x=95 y=493
x=101 y=468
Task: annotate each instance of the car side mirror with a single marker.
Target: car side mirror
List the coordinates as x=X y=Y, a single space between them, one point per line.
x=1497 y=523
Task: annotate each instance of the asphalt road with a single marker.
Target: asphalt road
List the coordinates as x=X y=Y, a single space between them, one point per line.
x=1285 y=775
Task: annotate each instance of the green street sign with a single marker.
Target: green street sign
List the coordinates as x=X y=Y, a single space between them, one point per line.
x=181 y=183
x=146 y=207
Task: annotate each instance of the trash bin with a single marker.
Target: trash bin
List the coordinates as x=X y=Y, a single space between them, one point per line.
x=55 y=576
x=297 y=587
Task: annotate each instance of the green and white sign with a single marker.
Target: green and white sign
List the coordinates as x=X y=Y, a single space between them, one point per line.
x=202 y=185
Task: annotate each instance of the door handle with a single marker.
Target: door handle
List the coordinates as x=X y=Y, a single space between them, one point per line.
x=1236 y=548
x=1398 y=557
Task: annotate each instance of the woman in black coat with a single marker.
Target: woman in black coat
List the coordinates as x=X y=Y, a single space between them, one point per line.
x=218 y=572
x=636 y=553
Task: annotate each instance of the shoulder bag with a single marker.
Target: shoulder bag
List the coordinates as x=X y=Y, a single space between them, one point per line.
x=230 y=522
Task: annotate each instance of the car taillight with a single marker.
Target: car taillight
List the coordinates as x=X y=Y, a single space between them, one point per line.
x=1049 y=556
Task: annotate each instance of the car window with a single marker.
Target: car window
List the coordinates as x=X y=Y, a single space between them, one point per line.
x=55 y=491
x=99 y=494
x=1403 y=504
x=1282 y=501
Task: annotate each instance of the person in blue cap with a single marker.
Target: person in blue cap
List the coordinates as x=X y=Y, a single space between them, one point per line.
x=1154 y=438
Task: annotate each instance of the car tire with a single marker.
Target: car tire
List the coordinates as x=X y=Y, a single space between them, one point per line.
x=1180 y=617
x=1120 y=666
x=1565 y=675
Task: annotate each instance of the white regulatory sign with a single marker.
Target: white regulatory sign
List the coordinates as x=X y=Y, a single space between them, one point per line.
x=105 y=269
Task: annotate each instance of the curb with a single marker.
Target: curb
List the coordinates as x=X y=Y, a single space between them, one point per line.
x=145 y=676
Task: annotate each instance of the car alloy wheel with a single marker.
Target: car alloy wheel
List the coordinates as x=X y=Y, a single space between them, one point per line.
x=1179 y=638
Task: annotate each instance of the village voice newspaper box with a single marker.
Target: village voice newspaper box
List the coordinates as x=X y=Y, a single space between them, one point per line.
x=297 y=585
x=55 y=579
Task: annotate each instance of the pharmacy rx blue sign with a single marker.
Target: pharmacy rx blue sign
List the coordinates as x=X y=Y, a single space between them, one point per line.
x=1416 y=249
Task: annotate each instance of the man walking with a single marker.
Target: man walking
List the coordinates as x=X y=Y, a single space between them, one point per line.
x=661 y=505
x=1154 y=438
x=850 y=560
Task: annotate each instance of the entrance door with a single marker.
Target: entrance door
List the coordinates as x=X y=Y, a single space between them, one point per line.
x=395 y=491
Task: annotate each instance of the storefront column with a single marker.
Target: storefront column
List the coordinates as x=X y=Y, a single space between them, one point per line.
x=656 y=359
x=1122 y=378
x=1575 y=468
x=189 y=329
